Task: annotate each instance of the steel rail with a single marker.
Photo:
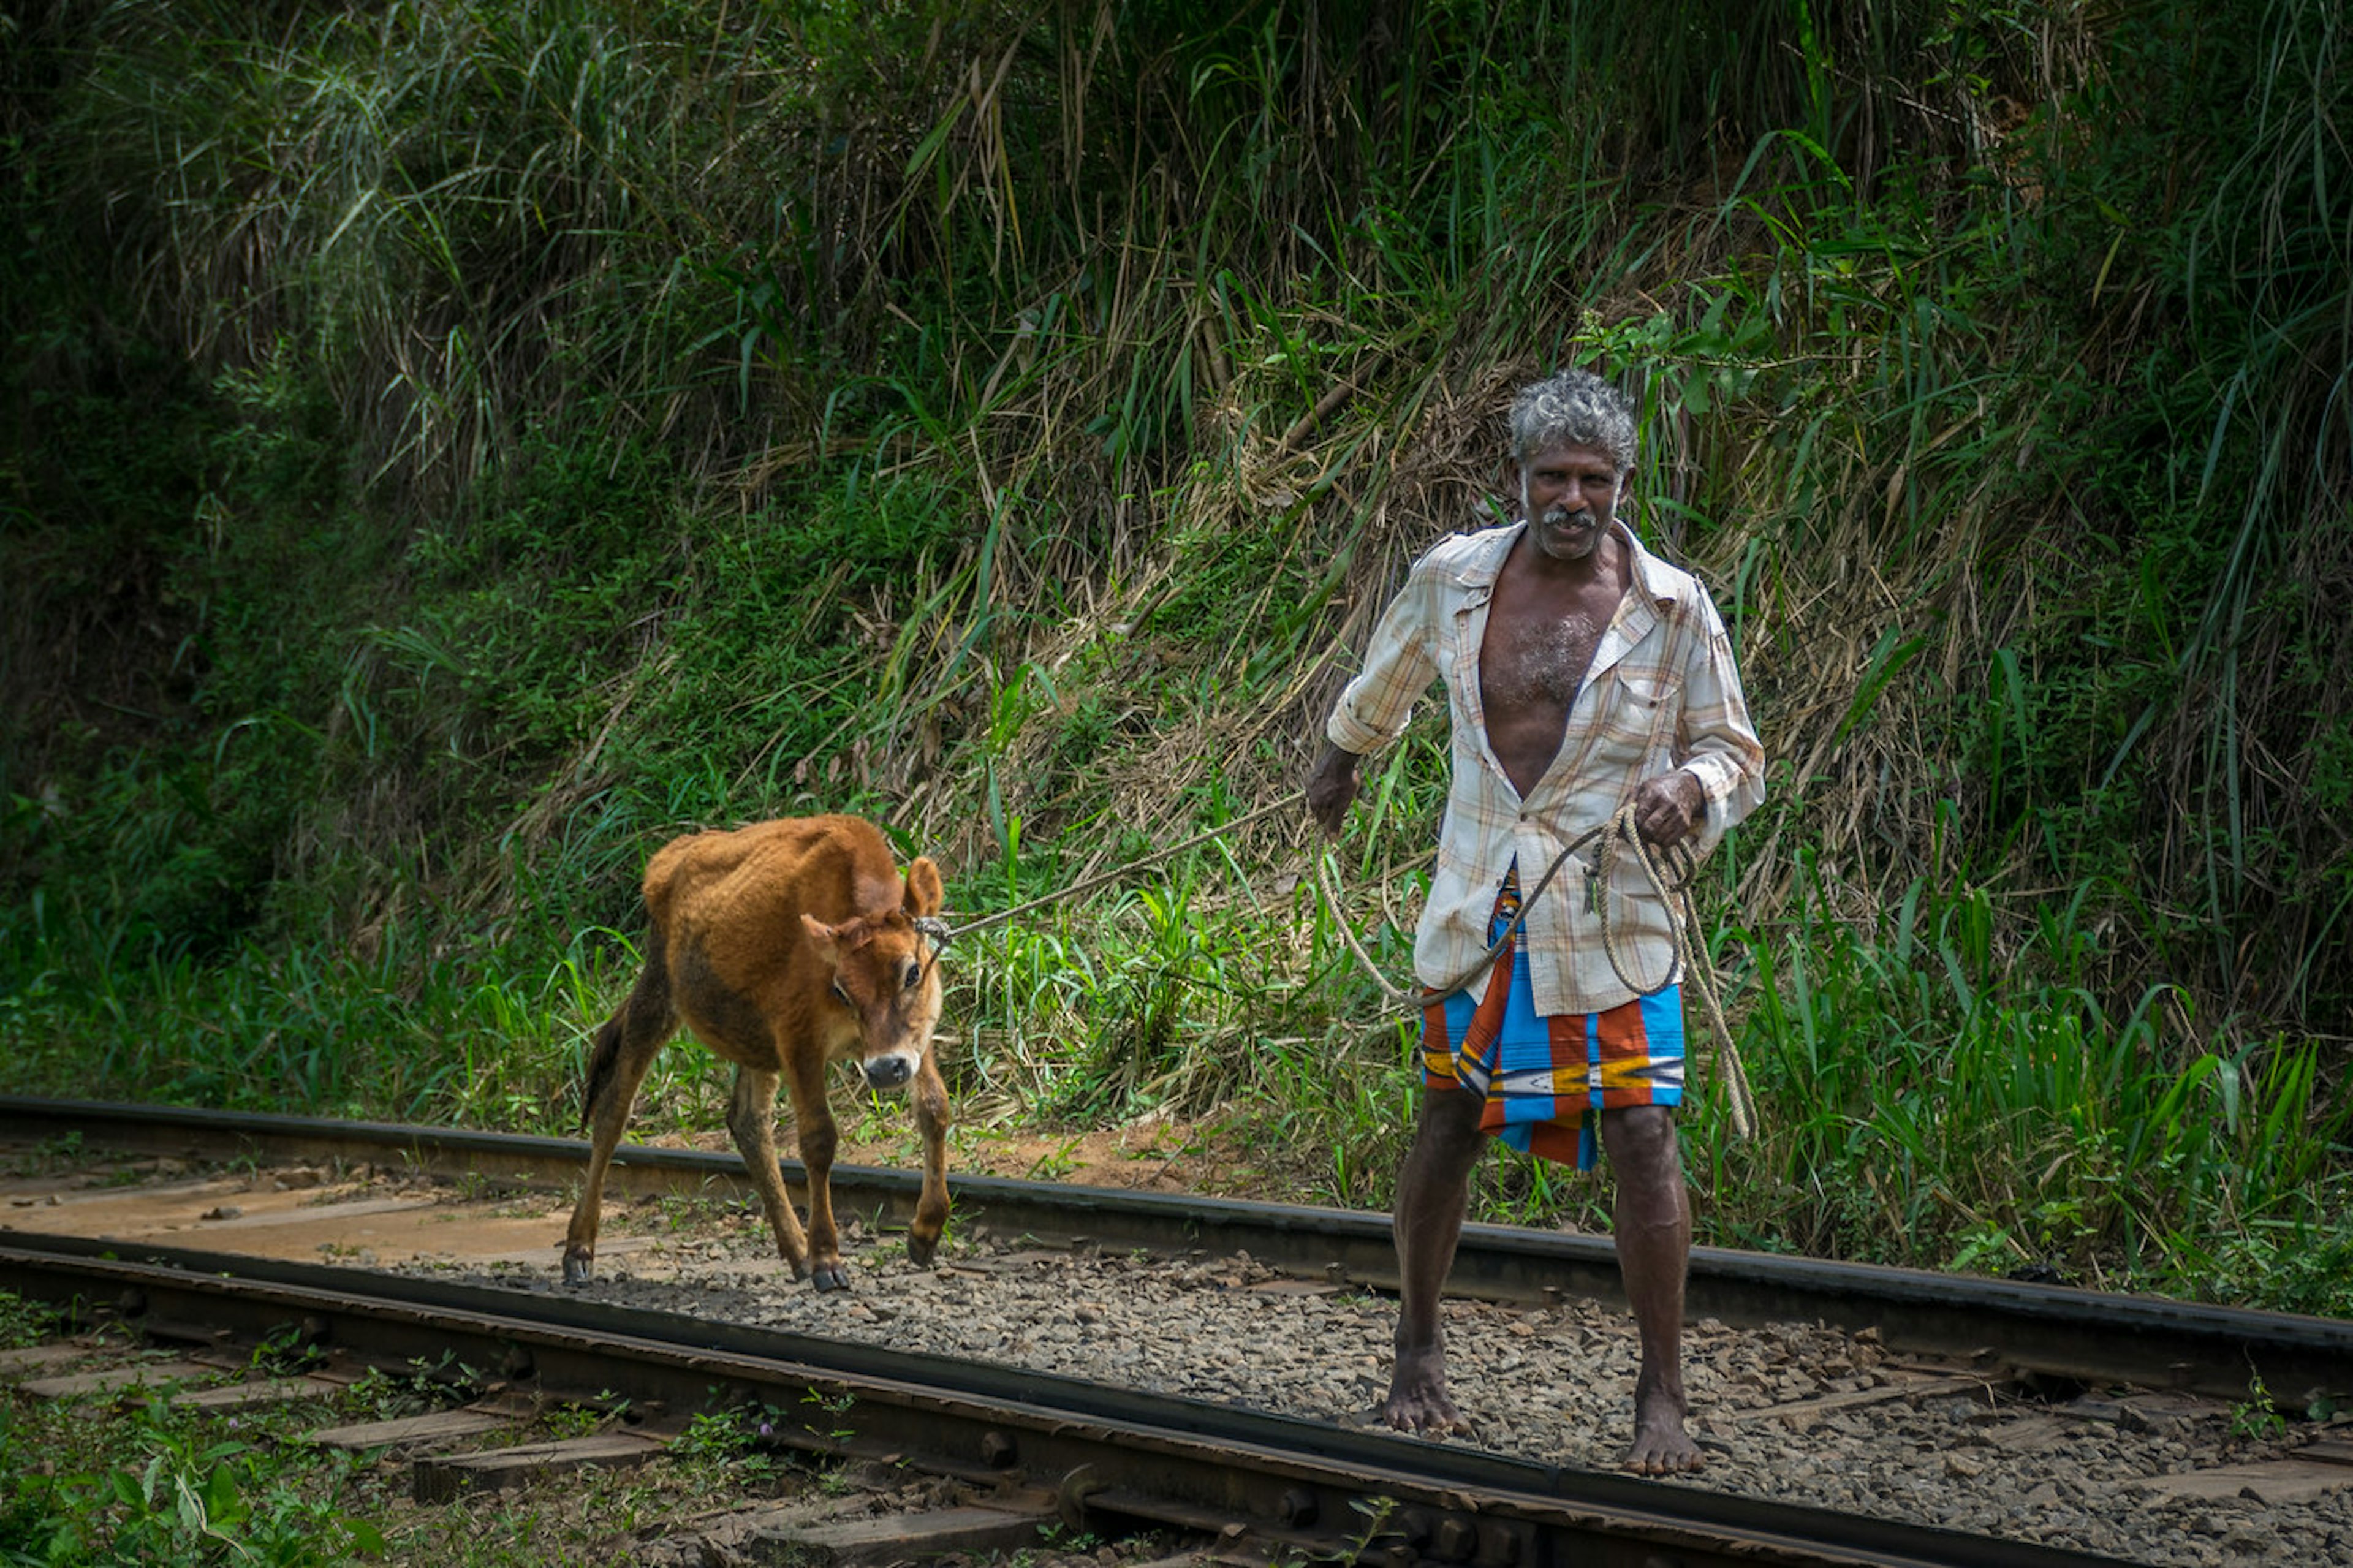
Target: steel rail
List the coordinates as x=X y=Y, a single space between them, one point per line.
x=2053 y=1332
x=1116 y=1455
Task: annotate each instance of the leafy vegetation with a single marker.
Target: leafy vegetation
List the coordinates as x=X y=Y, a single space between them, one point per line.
x=102 y=1480
x=459 y=447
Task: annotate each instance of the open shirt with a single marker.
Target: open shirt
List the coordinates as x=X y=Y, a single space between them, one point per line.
x=1662 y=692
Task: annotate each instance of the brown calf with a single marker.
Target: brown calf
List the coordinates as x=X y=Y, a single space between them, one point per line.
x=784 y=946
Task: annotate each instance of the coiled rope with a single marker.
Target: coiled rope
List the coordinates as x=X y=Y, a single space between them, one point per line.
x=1688 y=960
x=1617 y=837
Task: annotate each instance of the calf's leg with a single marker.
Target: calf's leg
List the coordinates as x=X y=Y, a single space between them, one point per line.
x=930 y=1098
x=752 y=1118
x=813 y=1120
x=625 y=1047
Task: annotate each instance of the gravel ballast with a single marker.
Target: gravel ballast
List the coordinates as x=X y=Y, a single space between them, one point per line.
x=1551 y=1385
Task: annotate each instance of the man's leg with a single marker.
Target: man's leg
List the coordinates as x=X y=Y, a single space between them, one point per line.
x=1433 y=1189
x=1653 y=1226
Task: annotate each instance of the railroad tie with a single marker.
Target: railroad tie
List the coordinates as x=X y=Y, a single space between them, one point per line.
x=2314 y=1470
x=405 y=1432
x=443 y=1478
x=867 y=1542
x=117 y=1379
x=253 y=1394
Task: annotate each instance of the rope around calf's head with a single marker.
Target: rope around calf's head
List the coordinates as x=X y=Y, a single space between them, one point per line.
x=936 y=936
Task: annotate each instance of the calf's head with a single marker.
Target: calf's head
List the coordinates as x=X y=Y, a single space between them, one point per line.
x=884 y=972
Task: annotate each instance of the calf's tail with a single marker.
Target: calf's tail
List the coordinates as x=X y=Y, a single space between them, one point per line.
x=645 y=1020
x=601 y=1057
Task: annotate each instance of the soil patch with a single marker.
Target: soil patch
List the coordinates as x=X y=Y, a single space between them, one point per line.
x=1216 y=1158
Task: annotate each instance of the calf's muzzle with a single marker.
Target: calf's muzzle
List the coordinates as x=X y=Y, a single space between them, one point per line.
x=889 y=1072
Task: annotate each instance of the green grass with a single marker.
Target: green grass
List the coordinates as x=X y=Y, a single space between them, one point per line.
x=94 y=1480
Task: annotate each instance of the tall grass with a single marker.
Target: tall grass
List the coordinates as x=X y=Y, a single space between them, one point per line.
x=1935 y=1105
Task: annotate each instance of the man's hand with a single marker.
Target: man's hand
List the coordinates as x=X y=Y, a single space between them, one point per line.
x=1332 y=788
x=1668 y=807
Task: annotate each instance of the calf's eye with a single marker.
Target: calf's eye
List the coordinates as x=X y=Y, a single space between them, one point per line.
x=914 y=975
x=840 y=994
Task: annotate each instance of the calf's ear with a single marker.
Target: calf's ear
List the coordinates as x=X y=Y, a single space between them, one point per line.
x=822 y=936
x=924 y=895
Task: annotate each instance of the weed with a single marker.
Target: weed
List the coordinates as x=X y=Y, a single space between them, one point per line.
x=1055 y=1163
x=23 y=1321
x=283 y=1349
x=387 y=1396
x=93 y=1481
x=2256 y=1416
x=1064 y=1537
x=60 y=1152
x=592 y=1415
x=174 y=1493
x=832 y=1406
x=724 y=1436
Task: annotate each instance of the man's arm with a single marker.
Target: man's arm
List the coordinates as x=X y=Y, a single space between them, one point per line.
x=1332 y=788
x=1374 y=706
x=1716 y=745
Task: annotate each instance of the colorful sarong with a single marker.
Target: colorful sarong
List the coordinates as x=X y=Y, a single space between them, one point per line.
x=1538 y=1076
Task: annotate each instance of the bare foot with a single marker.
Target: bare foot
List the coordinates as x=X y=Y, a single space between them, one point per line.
x=1661 y=1447
x=1417 y=1400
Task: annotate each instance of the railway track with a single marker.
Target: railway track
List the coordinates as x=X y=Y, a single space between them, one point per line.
x=2053 y=1333
x=1980 y=1378
x=1104 y=1459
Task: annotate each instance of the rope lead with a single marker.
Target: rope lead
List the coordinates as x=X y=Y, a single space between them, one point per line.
x=1690 y=946
x=1688 y=957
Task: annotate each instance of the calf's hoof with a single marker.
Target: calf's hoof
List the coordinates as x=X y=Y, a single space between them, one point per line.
x=920 y=1248
x=577 y=1266
x=834 y=1276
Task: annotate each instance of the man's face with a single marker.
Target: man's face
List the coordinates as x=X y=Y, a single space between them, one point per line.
x=1569 y=494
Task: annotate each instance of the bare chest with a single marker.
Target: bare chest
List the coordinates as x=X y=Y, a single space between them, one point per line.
x=1534 y=658
x=1533 y=661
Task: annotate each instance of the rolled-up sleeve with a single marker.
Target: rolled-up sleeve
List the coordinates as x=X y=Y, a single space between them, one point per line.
x=1715 y=743
x=1398 y=668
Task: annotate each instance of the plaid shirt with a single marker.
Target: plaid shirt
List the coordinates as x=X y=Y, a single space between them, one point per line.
x=1662 y=692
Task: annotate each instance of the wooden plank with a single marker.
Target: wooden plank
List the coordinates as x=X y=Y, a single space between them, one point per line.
x=2136 y=1411
x=439 y=1478
x=33 y=1358
x=437 y=1427
x=2181 y=1406
x=2327 y=1451
x=1904 y=1388
x=2272 y=1481
x=2028 y=1433
x=109 y=1379
x=254 y=1394
x=870 y=1543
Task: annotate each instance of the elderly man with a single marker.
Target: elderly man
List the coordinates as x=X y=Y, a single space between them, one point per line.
x=1581 y=672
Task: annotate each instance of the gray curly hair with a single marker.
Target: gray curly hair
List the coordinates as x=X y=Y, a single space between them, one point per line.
x=1573 y=408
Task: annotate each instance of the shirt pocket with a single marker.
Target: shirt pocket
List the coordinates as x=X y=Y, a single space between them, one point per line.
x=1639 y=712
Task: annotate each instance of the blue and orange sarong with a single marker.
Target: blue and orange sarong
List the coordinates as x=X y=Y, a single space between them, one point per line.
x=1539 y=1077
